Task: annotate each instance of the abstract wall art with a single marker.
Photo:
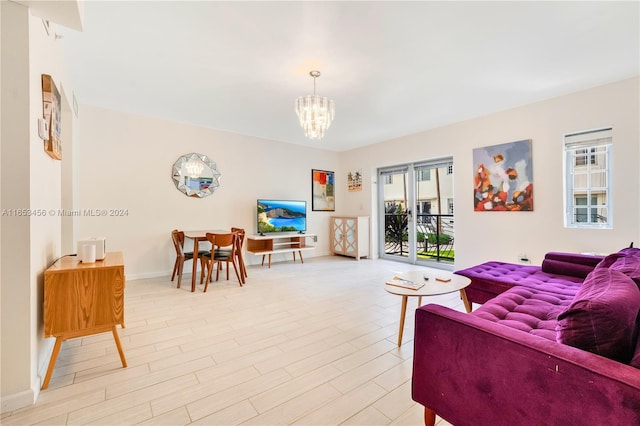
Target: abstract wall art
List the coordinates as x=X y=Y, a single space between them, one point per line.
x=322 y=190
x=503 y=177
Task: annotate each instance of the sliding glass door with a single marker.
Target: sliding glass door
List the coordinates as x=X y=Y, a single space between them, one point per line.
x=416 y=202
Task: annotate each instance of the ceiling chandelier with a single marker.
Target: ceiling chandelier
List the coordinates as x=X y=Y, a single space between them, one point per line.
x=315 y=112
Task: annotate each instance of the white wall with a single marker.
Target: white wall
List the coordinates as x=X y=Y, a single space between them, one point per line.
x=125 y=162
x=30 y=180
x=482 y=236
x=143 y=149
x=16 y=289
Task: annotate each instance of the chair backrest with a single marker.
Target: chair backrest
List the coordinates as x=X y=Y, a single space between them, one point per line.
x=178 y=241
x=240 y=233
x=226 y=240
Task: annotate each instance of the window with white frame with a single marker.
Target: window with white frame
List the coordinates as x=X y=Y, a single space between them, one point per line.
x=586 y=155
x=587 y=177
x=423 y=174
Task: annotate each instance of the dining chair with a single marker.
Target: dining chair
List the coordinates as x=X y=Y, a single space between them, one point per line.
x=182 y=256
x=241 y=234
x=223 y=249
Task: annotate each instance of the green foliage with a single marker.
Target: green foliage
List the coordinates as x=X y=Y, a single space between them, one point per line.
x=396 y=226
x=265 y=227
x=287 y=228
x=438 y=239
x=432 y=254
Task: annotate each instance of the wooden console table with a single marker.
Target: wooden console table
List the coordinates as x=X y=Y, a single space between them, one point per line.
x=81 y=299
x=279 y=243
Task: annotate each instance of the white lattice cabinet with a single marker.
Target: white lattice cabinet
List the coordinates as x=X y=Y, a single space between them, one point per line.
x=350 y=236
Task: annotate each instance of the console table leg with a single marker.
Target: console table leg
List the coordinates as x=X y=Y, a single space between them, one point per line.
x=301 y=259
x=269 y=260
x=119 y=346
x=52 y=362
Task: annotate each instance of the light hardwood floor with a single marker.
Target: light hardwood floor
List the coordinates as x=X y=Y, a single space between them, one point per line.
x=307 y=344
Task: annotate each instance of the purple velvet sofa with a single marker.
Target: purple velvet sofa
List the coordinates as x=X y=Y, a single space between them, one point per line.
x=555 y=345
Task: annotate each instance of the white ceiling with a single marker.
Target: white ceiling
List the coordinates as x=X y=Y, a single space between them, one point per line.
x=393 y=68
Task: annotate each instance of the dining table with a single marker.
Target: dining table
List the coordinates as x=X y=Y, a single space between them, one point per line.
x=197 y=236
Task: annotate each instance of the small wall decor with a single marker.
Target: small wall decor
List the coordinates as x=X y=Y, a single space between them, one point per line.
x=195 y=175
x=503 y=178
x=322 y=190
x=354 y=180
x=51 y=112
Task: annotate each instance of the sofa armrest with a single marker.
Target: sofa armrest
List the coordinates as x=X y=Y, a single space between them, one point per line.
x=471 y=371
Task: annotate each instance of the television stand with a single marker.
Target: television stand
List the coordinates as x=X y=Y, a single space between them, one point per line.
x=267 y=245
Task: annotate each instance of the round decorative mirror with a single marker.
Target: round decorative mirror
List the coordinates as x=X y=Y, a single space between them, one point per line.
x=195 y=175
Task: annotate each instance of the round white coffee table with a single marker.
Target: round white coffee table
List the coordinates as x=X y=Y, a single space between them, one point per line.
x=432 y=287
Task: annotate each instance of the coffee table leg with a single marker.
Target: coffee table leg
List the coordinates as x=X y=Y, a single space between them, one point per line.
x=463 y=296
x=403 y=311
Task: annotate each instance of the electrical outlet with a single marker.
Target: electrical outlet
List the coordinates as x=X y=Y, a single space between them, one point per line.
x=315 y=238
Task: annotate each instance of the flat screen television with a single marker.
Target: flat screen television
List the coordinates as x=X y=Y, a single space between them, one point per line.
x=281 y=216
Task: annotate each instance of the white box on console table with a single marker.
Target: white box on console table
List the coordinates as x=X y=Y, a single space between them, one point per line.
x=99 y=242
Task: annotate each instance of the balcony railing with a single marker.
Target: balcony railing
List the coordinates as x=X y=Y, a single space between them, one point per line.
x=434 y=235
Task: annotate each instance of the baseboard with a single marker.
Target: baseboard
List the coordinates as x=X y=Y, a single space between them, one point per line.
x=250 y=260
x=21 y=399
x=147 y=275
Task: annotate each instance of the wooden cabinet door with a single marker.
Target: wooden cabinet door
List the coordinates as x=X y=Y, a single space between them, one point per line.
x=83 y=298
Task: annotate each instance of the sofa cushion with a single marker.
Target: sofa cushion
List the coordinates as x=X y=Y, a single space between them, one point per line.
x=602 y=318
x=497 y=277
x=530 y=310
x=626 y=261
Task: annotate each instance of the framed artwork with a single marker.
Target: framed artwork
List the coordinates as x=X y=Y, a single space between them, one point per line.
x=51 y=112
x=503 y=177
x=354 y=181
x=322 y=191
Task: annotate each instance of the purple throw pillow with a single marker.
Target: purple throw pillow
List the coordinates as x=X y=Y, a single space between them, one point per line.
x=626 y=261
x=602 y=316
x=609 y=260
